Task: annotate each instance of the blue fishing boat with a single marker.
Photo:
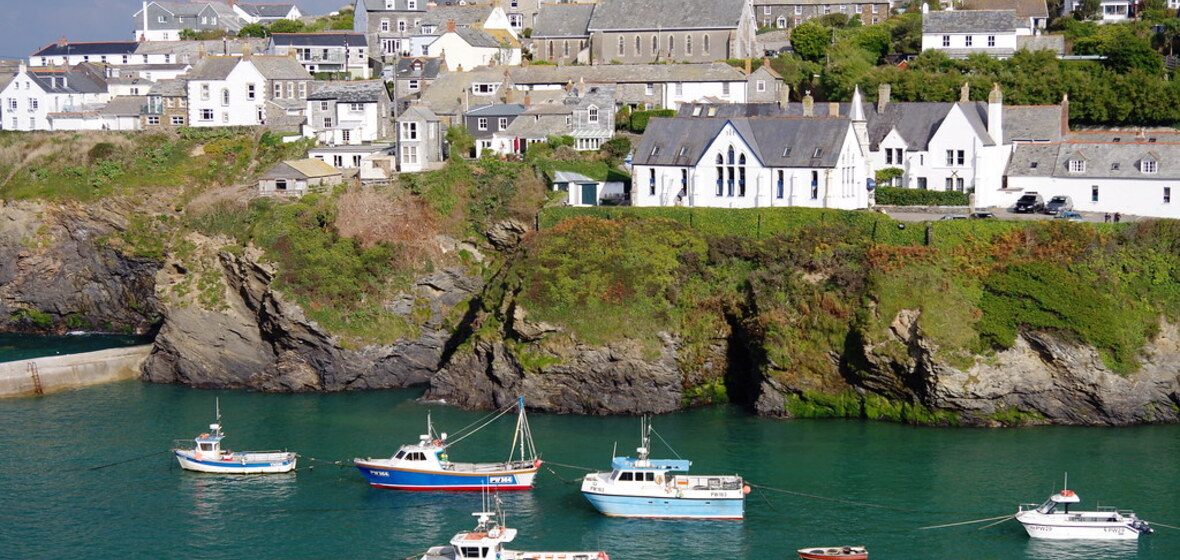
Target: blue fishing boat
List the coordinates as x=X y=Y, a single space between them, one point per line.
x=643 y=487
x=426 y=465
x=206 y=455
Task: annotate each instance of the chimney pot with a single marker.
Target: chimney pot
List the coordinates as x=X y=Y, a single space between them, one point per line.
x=450 y=26
x=965 y=93
x=808 y=105
x=883 y=92
x=833 y=109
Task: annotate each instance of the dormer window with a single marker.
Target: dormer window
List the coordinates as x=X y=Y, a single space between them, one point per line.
x=389 y=4
x=411 y=4
x=1147 y=166
x=1077 y=166
x=683 y=151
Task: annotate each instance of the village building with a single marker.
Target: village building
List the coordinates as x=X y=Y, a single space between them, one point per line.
x=960 y=33
x=33 y=95
x=670 y=31
x=164 y=21
x=484 y=121
x=561 y=34
x=350 y=112
x=246 y=91
x=463 y=48
x=298 y=177
x=420 y=139
x=388 y=26
x=586 y=113
x=265 y=14
x=336 y=54
x=167 y=105
x=412 y=75
x=788 y=14
x=586 y=191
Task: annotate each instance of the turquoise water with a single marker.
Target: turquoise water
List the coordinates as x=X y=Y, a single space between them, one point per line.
x=53 y=505
x=15 y=347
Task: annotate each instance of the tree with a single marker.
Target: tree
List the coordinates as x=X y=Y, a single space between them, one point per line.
x=810 y=40
x=1088 y=9
x=460 y=140
x=286 y=26
x=256 y=30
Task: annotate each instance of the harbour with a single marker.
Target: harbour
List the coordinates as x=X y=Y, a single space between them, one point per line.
x=87 y=473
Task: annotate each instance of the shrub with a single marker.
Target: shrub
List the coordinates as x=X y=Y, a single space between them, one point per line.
x=899 y=196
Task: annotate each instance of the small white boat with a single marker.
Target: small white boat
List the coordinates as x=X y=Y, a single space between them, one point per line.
x=643 y=487
x=486 y=542
x=1054 y=520
x=206 y=455
x=834 y=553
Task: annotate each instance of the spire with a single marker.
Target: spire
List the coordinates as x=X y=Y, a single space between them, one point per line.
x=857 y=112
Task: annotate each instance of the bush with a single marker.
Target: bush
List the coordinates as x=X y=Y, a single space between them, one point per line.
x=639 y=119
x=900 y=196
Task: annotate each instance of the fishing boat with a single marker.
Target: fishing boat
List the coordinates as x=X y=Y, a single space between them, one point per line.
x=1054 y=520
x=836 y=553
x=486 y=542
x=206 y=455
x=426 y=465
x=643 y=487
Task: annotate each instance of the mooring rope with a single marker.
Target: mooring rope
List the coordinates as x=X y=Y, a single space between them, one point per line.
x=841 y=500
x=563 y=479
x=570 y=466
x=1155 y=523
x=1009 y=518
x=1004 y=517
x=128 y=460
x=340 y=463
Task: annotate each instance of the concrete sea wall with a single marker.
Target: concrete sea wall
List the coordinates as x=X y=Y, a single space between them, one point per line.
x=54 y=373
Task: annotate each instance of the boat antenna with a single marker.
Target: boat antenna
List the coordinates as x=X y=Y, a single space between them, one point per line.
x=1066 y=487
x=217 y=408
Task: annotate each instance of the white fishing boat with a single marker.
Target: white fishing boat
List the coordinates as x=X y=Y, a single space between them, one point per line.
x=1054 y=520
x=487 y=540
x=206 y=455
x=643 y=487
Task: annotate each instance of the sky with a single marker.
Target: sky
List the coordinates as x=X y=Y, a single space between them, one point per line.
x=28 y=25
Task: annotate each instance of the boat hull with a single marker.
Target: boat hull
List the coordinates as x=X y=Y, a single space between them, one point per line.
x=1104 y=531
x=667 y=507
x=843 y=553
x=383 y=476
x=240 y=463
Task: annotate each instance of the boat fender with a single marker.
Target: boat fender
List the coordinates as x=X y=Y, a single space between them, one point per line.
x=437 y=443
x=745 y=489
x=659 y=479
x=679 y=493
x=1067 y=492
x=602 y=555
x=204 y=435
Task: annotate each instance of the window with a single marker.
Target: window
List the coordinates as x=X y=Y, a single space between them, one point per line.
x=967 y=41
x=345 y=136
x=638 y=47
x=32 y=122
x=224 y=97
x=875 y=7
x=620 y=46
x=411 y=4
x=779 y=187
x=385 y=26
x=501 y=123
x=651 y=179
x=161 y=19
x=671 y=45
x=1094 y=193
x=356 y=107
x=766 y=10
x=950 y=184
x=679 y=88
x=413 y=85
x=177 y=121
x=815 y=185
x=204 y=92
x=206 y=114
x=278 y=90
x=798 y=9
x=954 y=157
x=11 y=103
x=960 y=159
x=991 y=40
x=760 y=86
x=34 y=104
x=592 y=115
x=705 y=44
x=649 y=89
x=959 y=184
x=1167 y=195
x=688 y=44
x=401 y=26
x=946 y=40
x=327 y=122
x=389 y=4
x=153 y=120
x=481 y=123
x=1077 y=166
x=1148 y=166
x=250 y=91
x=725 y=89
x=922 y=183
x=409 y=131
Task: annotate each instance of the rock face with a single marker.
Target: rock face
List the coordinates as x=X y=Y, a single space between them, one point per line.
x=261 y=341
x=56 y=274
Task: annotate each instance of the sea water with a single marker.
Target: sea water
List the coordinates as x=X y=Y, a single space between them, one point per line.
x=86 y=474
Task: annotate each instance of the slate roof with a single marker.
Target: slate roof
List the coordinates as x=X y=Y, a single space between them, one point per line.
x=431 y=66
x=729 y=110
x=418 y=113
x=775 y=141
x=627 y=73
x=1104 y=160
x=210 y=48
x=64 y=82
x=124 y=105
x=477 y=38
x=1032 y=123
x=1055 y=43
x=267 y=10
x=464 y=16
x=305 y=168
x=280 y=68
x=186 y=13
x=214 y=68
x=1023 y=8
x=969 y=21
x=399 y=6
x=357 y=91
x=563 y=20
x=496 y=110
x=170 y=88
x=319 y=39
x=666 y=14
x=98 y=48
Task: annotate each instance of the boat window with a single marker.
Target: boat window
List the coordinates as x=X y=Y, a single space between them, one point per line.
x=400 y=454
x=627 y=476
x=417 y=456
x=469 y=552
x=206 y=447
x=649 y=476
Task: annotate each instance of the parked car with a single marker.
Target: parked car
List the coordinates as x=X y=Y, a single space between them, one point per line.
x=981 y=215
x=1030 y=203
x=1057 y=204
x=954 y=217
x=1069 y=215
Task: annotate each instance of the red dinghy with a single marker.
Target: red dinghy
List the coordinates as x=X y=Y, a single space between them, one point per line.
x=834 y=553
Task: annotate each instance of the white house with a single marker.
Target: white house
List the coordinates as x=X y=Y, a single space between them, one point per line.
x=586 y=191
x=245 y=91
x=120 y=113
x=750 y=163
x=352 y=112
x=464 y=49
x=164 y=21
x=339 y=53
x=960 y=33
x=1137 y=175
x=420 y=137
x=265 y=13
x=32 y=96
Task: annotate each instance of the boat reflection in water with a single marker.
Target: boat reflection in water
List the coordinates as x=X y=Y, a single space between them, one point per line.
x=1044 y=549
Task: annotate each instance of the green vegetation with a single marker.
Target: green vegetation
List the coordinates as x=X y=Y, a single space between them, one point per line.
x=901 y=196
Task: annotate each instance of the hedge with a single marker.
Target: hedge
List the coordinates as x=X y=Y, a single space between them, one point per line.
x=898 y=196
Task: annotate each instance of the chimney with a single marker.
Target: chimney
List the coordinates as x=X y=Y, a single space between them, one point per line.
x=965 y=93
x=784 y=97
x=808 y=105
x=766 y=62
x=883 y=92
x=247 y=52
x=1065 y=114
x=450 y=26
x=62 y=42
x=833 y=109
x=528 y=101
x=995 y=114
x=749 y=66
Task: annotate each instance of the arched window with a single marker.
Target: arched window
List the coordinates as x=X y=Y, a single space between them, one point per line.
x=688 y=44
x=638 y=47
x=671 y=45
x=655 y=45
x=742 y=175
x=779 y=193
x=705 y=45
x=720 y=174
x=224 y=96
x=620 y=46
x=550 y=50
x=592 y=115
x=565 y=48
x=729 y=156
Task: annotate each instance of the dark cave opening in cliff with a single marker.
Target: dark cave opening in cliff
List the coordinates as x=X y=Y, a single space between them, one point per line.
x=743 y=360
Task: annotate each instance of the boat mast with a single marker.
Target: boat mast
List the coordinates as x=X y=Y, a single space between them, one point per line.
x=523 y=434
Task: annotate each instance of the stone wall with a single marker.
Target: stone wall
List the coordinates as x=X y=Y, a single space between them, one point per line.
x=55 y=373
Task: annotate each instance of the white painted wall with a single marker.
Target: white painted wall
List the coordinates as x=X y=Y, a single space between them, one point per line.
x=958 y=41
x=461 y=56
x=240 y=109
x=675 y=93
x=1136 y=197
x=26 y=106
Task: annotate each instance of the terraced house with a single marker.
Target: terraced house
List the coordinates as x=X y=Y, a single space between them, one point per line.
x=388 y=25
x=671 y=31
x=786 y=14
x=163 y=21
x=247 y=90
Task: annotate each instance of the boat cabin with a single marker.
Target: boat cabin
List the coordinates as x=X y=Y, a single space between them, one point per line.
x=209 y=444
x=1065 y=497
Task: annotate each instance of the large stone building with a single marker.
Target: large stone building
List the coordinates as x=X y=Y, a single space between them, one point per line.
x=671 y=31
x=786 y=14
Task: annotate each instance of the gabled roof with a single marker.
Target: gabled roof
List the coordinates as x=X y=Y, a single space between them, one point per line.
x=563 y=20
x=338 y=39
x=170 y=88
x=496 y=110
x=418 y=113
x=214 y=68
x=1023 y=8
x=68 y=81
x=775 y=141
x=626 y=73
x=428 y=68
x=269 y=11
x=477 y=38
x=98 y=48
x=280 y=68
x=124 y=105
x=356 y=91
x=969 y=21
x=300 y=168
x=464 y=16
x=668 y=15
